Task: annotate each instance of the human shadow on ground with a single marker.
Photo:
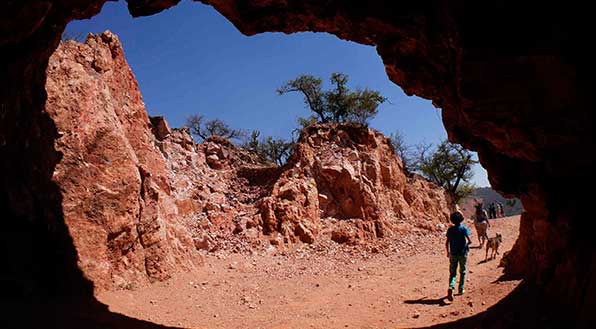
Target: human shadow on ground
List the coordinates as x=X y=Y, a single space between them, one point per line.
x=485 y=261
x=425 y=301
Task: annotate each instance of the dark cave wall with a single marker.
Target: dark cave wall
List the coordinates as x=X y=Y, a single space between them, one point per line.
x=35 y=241
x=513 y=80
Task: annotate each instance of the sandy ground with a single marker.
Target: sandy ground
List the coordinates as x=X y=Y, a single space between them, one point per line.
x=305 y=289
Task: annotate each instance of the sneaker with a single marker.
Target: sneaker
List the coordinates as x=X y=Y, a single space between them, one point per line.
x=450 y=294
x=461 y=291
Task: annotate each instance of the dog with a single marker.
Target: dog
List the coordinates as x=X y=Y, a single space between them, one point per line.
x=493 y=245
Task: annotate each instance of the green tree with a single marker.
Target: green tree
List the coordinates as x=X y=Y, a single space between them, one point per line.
x=206 y=128
x=339 y=104
x=449 y=165
x=277 y=150
x=269 y=149
x=252 y=144
x=401 y=149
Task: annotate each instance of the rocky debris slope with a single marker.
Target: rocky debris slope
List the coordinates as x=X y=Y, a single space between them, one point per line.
x=215 y=186
x=139 y=198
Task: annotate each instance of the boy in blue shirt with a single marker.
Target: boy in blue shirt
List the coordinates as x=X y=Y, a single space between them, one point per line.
x=458 y=240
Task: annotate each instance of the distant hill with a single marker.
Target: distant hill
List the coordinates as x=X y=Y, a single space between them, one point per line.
x=488 y=195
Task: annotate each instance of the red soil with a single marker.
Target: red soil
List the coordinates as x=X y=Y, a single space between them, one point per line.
x=315 y=287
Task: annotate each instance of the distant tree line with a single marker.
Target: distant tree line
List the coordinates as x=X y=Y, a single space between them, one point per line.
x=206 y=128
x=268 y=149
x=448 y=165
x=339 y=104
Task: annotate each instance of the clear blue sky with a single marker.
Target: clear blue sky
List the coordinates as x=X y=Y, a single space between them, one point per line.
x=190 y=59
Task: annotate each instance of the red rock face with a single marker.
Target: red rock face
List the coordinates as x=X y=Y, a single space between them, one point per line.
x=513 y=80
x=349 y=173
x=139 y=198
x=116 y=196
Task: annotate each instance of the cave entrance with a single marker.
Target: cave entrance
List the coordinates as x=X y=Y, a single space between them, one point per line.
x=293 y=265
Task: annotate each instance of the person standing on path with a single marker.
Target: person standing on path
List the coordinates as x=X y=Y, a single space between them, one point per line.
x=457 y=245
x=492 y=211
x=481 y=223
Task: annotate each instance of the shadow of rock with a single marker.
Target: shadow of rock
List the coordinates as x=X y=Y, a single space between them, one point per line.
x=40 y=282
x=522 y=308
x=67 y=314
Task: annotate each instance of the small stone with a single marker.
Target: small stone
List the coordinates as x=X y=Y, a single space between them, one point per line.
x=416 y=315
x=233 y=265
x=203 y=243
x=483 y=303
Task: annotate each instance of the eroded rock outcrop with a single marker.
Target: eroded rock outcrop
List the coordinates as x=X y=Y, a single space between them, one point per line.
x=116 y=195
x=139 y=198
x=215 y=186
x=349 y=173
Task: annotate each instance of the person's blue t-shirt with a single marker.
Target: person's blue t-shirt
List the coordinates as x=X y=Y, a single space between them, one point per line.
x=457 y=240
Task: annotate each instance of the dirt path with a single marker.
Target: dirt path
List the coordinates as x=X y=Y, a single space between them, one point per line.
x=302 y=289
